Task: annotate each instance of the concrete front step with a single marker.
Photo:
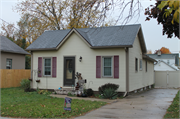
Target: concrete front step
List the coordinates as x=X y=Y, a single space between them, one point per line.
x=65 y=91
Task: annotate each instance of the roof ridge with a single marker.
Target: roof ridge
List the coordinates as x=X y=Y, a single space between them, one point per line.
x=92 y=27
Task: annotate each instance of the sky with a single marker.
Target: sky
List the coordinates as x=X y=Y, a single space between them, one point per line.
x=152 y=31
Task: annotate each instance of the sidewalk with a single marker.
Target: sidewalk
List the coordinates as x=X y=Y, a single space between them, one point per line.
x=84 y=98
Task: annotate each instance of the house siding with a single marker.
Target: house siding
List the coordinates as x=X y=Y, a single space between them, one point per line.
x=140 y=78
x=75 y=46
x=18 y=60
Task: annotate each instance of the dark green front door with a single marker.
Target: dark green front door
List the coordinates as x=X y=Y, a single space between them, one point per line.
x=69 y=68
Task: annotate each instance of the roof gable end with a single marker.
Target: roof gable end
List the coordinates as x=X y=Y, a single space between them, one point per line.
x=73 y=30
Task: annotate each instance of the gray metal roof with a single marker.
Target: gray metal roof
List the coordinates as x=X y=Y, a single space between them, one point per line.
x=7 y=45
x=96 y=37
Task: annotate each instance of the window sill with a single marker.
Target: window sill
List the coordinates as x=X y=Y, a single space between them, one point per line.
x=47 y=76
x=107 y=76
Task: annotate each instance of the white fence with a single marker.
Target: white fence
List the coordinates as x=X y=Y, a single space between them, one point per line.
x=167 y=79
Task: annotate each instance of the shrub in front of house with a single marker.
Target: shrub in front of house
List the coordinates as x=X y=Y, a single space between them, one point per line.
x=107 y=86
x=25 y=84
x=89 y=92
x=108 y=91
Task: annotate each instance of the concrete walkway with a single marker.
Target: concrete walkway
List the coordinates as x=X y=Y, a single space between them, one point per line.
x=151 y=104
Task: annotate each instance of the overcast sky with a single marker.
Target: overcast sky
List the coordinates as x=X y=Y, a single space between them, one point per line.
x=152 y=31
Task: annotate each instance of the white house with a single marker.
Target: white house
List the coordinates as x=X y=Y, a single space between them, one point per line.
x=166 y=62
x=163 y=66
x=102 y=55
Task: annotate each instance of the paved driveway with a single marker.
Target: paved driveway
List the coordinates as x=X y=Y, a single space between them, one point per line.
x=151 y=104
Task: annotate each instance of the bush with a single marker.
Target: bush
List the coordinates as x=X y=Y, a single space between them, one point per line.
x=109 y=93
x=89 y=92
x=107 y=86
x=25 y=84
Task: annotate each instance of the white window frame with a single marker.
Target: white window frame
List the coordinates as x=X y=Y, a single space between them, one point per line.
x=140 y=64
x=8 y=59
x=46 y=66
x=111 y=65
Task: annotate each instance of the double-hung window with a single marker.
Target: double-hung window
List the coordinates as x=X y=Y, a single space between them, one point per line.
x=8 y=63
x=136 y=64
x=140 y=64
x=47 y=66
x=107 y=66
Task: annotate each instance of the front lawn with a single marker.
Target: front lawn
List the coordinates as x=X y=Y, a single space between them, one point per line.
x=17 y=103
x=173 y=110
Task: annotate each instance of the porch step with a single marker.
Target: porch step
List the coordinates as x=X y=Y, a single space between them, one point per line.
x=65 y=91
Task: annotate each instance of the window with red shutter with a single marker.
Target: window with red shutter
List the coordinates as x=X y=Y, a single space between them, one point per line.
x=39 y=66
x=107 y=66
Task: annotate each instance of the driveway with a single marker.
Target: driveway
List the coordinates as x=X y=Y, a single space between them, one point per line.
x=150 y=104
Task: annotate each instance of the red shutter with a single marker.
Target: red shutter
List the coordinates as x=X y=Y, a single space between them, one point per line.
x=54 y=62
x=39 y=66
x=98 y=66
x=116 y=66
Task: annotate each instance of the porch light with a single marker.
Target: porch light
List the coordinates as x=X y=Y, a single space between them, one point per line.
x=80 y=59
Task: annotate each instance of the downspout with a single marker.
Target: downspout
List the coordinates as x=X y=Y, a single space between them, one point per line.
x=127 y=72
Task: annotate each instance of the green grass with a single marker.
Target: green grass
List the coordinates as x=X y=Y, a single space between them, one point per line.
x=173 y=110
x=17 y=103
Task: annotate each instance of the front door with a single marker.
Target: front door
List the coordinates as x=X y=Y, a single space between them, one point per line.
x=69 y=71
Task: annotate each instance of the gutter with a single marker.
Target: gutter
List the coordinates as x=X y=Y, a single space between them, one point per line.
x=149 y=58
x=16 y=52
x=41 y=49
x=95 y=47
x=113 y=46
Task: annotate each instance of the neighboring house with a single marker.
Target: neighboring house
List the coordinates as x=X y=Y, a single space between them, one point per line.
x=163 y=66
x=102 y=55
x=12 y=56
x=170 y=59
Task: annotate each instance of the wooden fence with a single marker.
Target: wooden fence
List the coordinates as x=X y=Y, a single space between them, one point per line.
x=167 y=79
x=13 y=77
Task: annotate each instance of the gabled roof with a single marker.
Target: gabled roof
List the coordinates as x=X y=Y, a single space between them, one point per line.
x=163 y=56
x=167 y=65
x=101 y=37
x=166 y=56
x=7 y=45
